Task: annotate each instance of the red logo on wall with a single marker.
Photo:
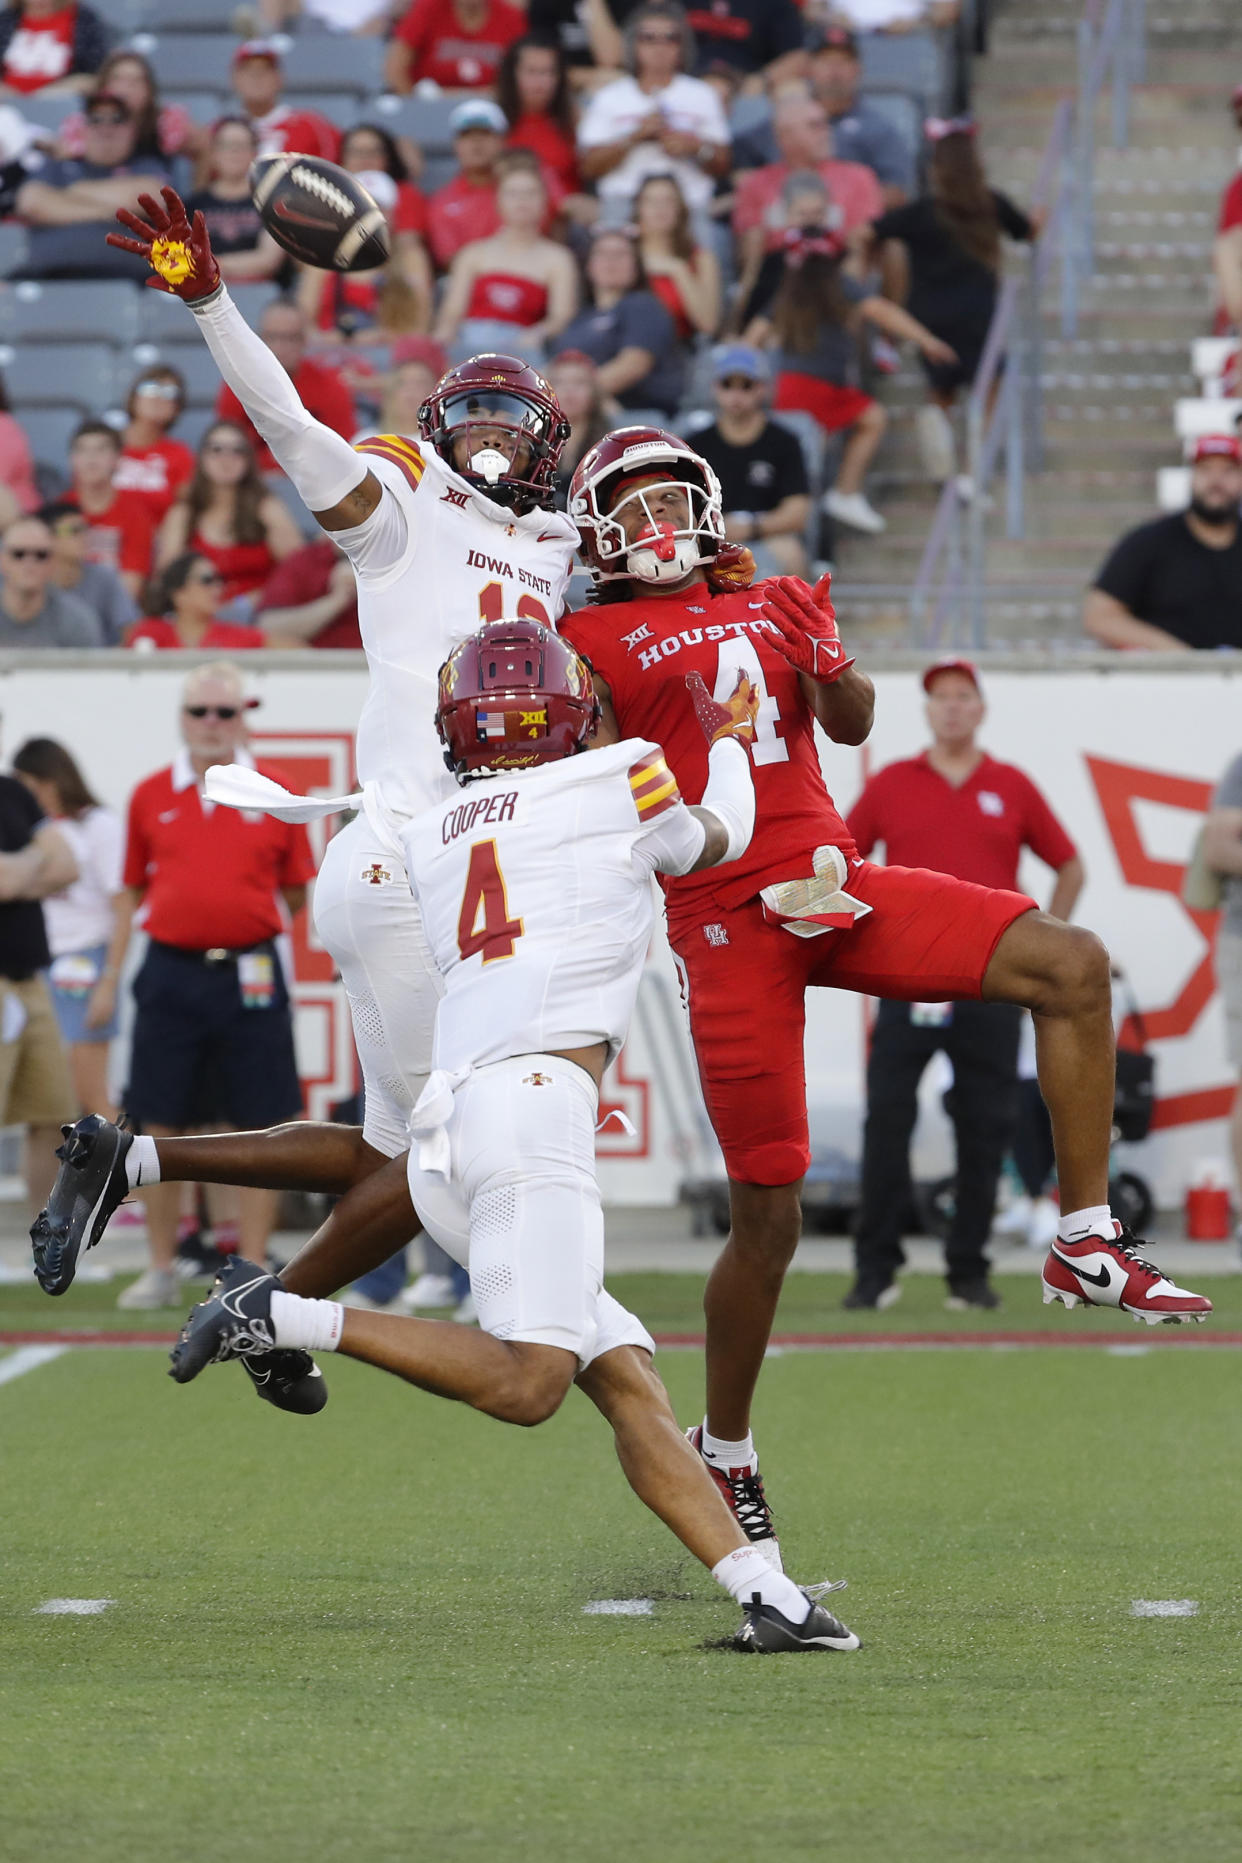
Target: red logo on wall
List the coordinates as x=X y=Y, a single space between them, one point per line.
x=1119 y=786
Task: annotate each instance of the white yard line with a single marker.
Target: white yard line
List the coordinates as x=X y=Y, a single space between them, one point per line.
x=28 y=1358
x=1164 y=1607
x=620 y=1607
x=72 y=1607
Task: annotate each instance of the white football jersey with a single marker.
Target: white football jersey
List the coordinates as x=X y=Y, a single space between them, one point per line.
x=536 y=898
x=434 y=560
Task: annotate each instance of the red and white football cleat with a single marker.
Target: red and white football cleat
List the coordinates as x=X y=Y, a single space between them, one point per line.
x=1106 y=1271
x=742 y=1492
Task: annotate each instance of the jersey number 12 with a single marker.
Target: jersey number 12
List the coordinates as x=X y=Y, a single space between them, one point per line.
x=484 y=923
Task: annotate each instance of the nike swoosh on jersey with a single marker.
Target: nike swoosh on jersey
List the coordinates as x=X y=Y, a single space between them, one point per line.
x=1102 y=1279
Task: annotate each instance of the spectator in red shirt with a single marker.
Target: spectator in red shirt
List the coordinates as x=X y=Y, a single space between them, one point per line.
x=281 y=130
x=954 y=810
x=189 y=591
x=48 y=46
x=532 y=89
x=213 y=1029
x=320 y=389
x=311 y=599
x=465 y=207
x=18 y=491
x=804 y=139
x=150 y=462
x=229 y=515
x=458 y=46
x=1227 y=251
x=122 y=533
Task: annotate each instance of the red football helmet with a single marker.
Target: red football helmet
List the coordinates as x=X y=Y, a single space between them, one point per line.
x=513 y=695
x=660 y=553
x=490 y=392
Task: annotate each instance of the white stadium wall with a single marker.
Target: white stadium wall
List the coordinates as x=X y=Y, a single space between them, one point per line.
x=1127 y=753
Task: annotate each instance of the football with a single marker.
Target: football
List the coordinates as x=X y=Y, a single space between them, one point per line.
x=319 y=213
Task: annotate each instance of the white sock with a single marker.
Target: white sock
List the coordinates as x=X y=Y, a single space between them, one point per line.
x=722 y=1454
x=1075 y=1224
x=746 y=1571
x=307 y=1325
x=142 y=1163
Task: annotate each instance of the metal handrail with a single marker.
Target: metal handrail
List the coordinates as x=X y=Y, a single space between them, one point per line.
x=1111 y=38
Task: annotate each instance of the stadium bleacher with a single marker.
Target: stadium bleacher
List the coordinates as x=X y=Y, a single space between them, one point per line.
x=85 y=336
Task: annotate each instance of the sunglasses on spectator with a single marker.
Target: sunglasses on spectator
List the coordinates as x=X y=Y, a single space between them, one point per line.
x=213 y=711
x=163 y=391
x=738 y=381
x=205 y=576
x=19 y=555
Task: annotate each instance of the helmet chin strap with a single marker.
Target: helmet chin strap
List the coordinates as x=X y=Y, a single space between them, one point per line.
x=660 y=555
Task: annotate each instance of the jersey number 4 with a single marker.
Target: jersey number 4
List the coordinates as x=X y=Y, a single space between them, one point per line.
x=484 y=923
x=742 y=656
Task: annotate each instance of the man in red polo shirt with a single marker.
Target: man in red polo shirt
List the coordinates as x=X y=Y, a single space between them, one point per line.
x=320 y=389
x=121 y=531
x=954 y=809
x=279 y=128
x=213 y=1028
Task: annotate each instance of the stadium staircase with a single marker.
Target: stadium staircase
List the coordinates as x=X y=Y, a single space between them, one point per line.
x=1109 y=391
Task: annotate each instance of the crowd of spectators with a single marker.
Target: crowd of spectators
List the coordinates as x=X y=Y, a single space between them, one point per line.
x=1176 y=581
x=633 y=187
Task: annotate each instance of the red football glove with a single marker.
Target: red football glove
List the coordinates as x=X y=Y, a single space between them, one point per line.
x=179 y=254
x=732 y=567
x=806 y=627
x=735 y=718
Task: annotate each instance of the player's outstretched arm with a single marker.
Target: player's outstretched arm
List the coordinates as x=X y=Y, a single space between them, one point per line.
x=805 y=632
x=727 y=811
x=334 y=482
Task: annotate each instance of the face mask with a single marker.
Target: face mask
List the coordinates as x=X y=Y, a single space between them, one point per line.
x=658 y=554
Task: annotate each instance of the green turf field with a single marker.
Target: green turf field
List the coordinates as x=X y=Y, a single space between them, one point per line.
x=362 y=1635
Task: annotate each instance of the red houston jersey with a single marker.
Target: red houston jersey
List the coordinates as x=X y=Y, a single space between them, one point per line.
x=643 y=650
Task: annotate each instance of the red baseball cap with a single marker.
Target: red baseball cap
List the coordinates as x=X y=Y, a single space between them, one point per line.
x=256 y=48
x=1217 y=446
x=967 y=667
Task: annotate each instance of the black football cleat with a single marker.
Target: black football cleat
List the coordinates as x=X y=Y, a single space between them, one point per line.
x=765 y=1632
x=90 y=1184
x=235 y=1321
x=290 y=1380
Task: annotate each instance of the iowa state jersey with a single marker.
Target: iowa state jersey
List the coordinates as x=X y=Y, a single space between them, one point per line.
x=434 y=560
x=536 y=899
x=644 y=649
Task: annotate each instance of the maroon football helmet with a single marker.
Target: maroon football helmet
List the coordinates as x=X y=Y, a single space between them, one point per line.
x=513 y=695
x=490 y=392
x=668 y=555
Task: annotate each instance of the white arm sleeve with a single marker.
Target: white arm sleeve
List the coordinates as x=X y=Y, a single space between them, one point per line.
x=730 y=794
x=322 y=466
x=673 y=842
